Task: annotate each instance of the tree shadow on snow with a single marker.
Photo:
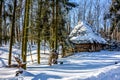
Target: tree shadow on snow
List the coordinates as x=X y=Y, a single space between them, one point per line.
x=3 y=63
x=44 y=76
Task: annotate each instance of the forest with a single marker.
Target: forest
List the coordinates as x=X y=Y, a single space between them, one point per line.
x=59 y=39
x=40 y=22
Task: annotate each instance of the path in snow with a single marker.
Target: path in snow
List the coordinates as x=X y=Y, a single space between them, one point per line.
x=80 y=66
x=84 y=65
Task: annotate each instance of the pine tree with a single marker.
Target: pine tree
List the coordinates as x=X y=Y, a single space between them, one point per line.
x=58 y=30
x=59 y=19
x=115 y=14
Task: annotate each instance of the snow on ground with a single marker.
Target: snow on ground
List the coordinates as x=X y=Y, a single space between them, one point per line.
x=81 y=66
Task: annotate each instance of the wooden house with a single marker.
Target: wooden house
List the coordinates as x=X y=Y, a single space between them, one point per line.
x=85 y=39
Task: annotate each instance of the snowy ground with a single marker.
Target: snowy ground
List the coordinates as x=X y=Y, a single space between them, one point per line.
x=81 y=66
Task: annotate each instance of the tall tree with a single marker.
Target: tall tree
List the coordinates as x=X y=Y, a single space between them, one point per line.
x=53 y=25
x=106 y=18
x=12 y=34
x=60 y=10
x=19 y=21
x=115 y=16
x=39 y=27
x=1 y=6
x=25 y=32
x=56 y=26
x=58 y=19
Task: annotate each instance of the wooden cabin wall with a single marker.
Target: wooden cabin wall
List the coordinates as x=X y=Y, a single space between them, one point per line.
x=84 y=48
x=88 y=47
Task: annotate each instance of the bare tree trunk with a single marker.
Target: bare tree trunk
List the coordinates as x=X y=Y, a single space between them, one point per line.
x=25 y=33
x=56 y=26
x=84 y=9
x=4 y=26
x=12 y=34
x=63 y=50
x=97 y=15
x=53 y=25
x=18 y=20
x=1 y=4
x=39 y=26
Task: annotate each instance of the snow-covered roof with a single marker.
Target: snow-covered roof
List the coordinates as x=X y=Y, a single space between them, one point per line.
x=83 y=33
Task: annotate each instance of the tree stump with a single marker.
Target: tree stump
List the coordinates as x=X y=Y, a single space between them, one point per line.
x=20 y=63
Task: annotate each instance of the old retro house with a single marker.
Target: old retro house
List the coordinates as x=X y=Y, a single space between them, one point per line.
x=85 y=39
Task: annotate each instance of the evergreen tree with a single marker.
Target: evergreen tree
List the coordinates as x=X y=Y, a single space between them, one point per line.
x=60 y=10
x=115 y=14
